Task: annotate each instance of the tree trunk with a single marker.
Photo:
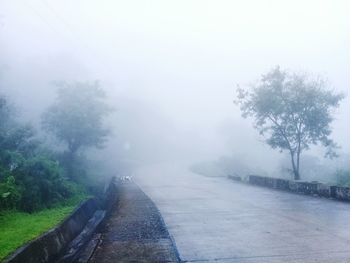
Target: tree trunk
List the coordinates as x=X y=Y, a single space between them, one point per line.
x=295 y=166
x=298 y=165
x=296 y=174
x=72 y=151
x=70 y=164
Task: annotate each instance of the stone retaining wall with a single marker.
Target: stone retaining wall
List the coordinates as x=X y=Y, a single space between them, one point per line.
x=49 y=246
x=309 y=188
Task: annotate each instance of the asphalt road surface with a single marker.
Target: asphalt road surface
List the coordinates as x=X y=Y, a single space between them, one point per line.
x=214 y=219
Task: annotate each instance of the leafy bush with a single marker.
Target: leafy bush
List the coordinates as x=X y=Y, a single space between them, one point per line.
x=9 y=194
x=30 y=177
x=34 y=184
x=343 y=177
x=41 y=183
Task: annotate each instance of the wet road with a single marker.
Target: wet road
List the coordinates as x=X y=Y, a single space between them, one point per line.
x=218 y=220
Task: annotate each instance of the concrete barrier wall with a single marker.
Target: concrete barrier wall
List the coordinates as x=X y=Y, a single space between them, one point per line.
x=49 y=246
x=342 y=193
x=309 y=188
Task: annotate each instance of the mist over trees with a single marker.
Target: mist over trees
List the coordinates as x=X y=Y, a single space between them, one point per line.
x=172 y=96
x=30 y=176
x=76 y=120
x=292 y=111
x=76 y=117
x=161 y=113
x=33 y=173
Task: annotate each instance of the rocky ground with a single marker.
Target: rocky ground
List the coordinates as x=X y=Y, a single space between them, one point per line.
x=134 y=231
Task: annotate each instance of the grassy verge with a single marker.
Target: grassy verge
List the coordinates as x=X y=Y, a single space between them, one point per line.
x=17 y=228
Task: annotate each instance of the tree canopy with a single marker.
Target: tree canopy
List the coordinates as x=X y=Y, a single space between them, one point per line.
x=293 y=111
x=30 y=176
x=76 y=117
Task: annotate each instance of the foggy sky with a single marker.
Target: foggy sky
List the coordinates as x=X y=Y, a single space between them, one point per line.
x=171 y=67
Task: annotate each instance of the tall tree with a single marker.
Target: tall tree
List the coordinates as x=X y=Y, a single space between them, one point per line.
x=77 y=116
x=293 y=112
x=30 y=177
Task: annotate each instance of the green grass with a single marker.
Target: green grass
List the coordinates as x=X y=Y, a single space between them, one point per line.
x=17 y=228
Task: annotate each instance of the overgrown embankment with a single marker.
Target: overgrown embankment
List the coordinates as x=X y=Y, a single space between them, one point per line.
x=18 y=228
x=43 y=178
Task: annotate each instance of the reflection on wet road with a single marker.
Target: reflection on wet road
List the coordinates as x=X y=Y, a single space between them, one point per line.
x=218 y=220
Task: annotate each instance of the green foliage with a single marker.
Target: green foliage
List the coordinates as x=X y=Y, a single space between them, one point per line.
x=343 y=178
x=34 y=184
x=292 y=111
x=33 y=178
x=74 y=166
x=30 y=178
x=41 y=183
x=6 y=112
x=76 y=118
x=17 y=228
x=9 y=194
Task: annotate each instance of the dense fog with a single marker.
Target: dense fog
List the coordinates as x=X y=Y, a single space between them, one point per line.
x=170 y=71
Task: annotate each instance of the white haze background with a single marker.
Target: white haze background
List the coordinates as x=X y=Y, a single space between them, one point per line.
x=170 y=68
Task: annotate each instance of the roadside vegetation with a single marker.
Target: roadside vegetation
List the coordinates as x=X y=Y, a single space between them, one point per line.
x=293 y=112
x=41 y=182
x=343 y=177
x=17 y=227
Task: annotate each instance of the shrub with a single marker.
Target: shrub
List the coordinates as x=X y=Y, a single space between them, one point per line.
x=32 y=184
x=31 y=178
x=343 y=177
x=42 y=184
x=9 y=194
